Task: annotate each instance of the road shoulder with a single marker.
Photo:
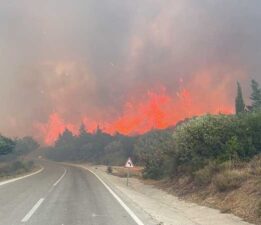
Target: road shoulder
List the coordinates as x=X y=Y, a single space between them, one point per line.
x=162 y=207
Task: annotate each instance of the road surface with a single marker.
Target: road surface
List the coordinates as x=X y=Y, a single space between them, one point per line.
x=61 y=195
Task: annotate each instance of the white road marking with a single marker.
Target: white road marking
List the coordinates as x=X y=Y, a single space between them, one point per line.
x=58 y=181
x=19 y=178
x=128 y=210
x=37 y=205
x=32 y=211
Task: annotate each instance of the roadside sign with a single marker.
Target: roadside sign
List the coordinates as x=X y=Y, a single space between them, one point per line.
x=129 y=163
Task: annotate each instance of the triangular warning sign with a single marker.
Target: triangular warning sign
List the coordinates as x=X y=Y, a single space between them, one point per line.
x=129 y=163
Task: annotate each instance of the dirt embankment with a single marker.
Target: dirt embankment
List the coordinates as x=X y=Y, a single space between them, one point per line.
x=232 y=190
x=244 y=201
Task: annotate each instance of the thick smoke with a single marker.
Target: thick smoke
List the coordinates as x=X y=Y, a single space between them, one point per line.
x=122 y=63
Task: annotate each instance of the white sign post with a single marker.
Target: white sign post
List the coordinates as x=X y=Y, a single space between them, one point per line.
x=128 y=165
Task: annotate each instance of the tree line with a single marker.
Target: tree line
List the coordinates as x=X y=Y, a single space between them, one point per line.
x=97 y=147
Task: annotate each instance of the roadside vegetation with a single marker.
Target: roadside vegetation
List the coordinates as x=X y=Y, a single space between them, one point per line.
x=12 y=156
x=209 y=156
x=15 y=168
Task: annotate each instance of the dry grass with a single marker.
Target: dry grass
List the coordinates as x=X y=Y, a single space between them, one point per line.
x=16 y=168
x=203 y=177
x=122 y=171
x=258 y=211
x=254 y=166
x=229 y=180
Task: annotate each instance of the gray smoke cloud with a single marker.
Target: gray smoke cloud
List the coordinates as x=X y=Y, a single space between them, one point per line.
x=88 y=57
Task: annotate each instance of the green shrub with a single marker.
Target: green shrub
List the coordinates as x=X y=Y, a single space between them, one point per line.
x=109 y=169
x=30 y=164
x=18 y=165
x=229 y=180
x=7 y=145
x=153 y=172
x=155 y=150
x=15 y=168
x=216 y=137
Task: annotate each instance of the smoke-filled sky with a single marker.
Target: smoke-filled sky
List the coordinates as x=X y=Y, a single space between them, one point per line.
x=128 y=66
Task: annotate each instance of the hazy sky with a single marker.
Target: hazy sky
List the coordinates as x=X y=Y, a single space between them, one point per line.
x=89 y=59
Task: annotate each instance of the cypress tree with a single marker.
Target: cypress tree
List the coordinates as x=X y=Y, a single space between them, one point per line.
x=82 y=130
x=240 y=105
x=256 y=95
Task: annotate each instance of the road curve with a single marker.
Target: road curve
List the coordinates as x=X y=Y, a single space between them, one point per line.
x=60 y=195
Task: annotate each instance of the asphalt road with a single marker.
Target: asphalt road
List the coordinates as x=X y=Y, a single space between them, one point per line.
x=60 y=195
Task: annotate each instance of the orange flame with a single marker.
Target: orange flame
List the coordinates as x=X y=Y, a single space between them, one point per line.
x=157 y=110
x=54 y=128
